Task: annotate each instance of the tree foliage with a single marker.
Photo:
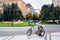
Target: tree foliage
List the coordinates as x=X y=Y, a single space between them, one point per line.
x=12 y=12
x=29 y=16
x=35 y=17
x=50 y=12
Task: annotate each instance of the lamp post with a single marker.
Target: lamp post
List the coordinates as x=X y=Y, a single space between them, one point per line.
x=12 y=13
x=12 y=18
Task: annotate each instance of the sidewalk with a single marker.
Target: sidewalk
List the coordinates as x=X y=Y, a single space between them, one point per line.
x=54 y=36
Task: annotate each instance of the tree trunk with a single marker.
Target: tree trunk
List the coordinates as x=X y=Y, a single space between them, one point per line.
x=53 y=21
x=12 y=22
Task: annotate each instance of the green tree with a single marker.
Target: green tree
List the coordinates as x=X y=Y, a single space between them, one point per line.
x=16 y=12
x=35 y=17
x=5 y=11
x=1 y=16
x=29 y=16
x=57 y=12
x=49 y=12
x=12 y=12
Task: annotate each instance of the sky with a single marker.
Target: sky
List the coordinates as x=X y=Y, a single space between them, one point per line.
x=37 y=4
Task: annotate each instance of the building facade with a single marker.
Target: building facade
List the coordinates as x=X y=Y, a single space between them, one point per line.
x=21 y=4
x=31 y=8
x=1 y=7
x=56 y=2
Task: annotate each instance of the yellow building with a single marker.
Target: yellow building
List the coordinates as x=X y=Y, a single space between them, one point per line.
x=56 y=2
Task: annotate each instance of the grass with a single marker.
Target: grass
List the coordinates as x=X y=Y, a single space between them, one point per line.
x=5 y=24
x=23 y=24
x=49 y=23
x=16 y=25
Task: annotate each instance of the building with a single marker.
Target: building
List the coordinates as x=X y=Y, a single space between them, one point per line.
x=31 y=8
x=23 y=7
x=56 y=2
x=21 y=4
x=1 y=7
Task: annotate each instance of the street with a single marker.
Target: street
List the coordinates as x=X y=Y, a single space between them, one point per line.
x=20 y=33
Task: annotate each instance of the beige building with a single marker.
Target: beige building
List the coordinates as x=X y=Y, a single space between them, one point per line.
x=56 y=2
x=21 y=5
x=1 y=7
